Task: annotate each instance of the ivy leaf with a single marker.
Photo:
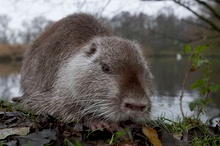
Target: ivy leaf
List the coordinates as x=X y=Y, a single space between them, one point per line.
x=200 y=49
x=192 y=105
x=195 y=61
x=201 y=62
x=198 y=83
x=186 y=49
x=214 y=88
x=194 y=86
x=203 y=90
x=202 y=102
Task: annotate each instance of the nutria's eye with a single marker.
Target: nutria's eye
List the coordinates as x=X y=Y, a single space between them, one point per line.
x=105 y=68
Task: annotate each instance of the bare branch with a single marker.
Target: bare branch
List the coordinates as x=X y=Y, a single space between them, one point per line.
x=196 y=24
x=156 y=0
x=213 y=25
x=217 y=1
x=198 y=15
x=210 y=8
x=105 y=7
x=169 y=37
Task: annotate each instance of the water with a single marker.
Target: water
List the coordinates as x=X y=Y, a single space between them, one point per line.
x=169 y=74
x=9 y=86
x=9 y=80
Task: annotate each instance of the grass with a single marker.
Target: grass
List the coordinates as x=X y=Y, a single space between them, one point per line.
x=206 y=141
x=196 y=132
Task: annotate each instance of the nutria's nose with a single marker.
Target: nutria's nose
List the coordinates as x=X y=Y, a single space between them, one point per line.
x=135 y=107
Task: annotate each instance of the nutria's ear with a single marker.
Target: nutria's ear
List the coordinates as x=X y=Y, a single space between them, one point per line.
x=91 y=51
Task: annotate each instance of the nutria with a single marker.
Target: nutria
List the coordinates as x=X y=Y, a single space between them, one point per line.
x=78 y=70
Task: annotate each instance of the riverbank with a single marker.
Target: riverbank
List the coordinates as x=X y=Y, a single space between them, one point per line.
x=14 y=53
x=10 y=53
x=18 y=127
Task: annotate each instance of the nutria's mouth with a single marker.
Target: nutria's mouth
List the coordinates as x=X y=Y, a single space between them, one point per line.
x=127 y=122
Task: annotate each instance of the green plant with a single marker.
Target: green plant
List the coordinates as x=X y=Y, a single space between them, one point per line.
x=116 y=136
x=196 y=61
x=48 y=144
x=89 y=132
x=69 y=143
x=78 y=143
x=206 y=141
x=28 y=115
x=180 y=125
x=6 y=105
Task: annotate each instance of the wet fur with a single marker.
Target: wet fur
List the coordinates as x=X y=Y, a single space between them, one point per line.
x=62 y=73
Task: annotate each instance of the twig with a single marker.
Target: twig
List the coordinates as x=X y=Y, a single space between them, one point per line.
x=198 y=15
x=184 y=84
x=206 y=98
x=196 y=24
x=210 y=8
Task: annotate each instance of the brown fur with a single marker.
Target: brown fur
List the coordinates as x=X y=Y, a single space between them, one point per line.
x=63 y=75
x=52 y=47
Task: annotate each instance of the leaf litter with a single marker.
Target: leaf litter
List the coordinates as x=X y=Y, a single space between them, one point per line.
x=18 y=128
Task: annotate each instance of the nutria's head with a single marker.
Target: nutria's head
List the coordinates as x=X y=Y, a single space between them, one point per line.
x=109 y=79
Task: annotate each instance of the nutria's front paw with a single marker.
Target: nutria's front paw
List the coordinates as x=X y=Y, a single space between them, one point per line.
x=100 y=125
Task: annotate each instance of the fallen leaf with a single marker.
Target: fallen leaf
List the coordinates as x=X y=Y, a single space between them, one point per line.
x=168 y=140
x=38 y=138
x=151 y=134
x=14 y=131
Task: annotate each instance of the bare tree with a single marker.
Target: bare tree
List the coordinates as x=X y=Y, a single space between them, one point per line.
x=4 y=28
x=33 y=29
x=208 y=6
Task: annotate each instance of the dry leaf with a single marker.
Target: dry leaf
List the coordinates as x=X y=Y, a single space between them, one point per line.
x=40 y=138
x=12 y=131
x=151 y=134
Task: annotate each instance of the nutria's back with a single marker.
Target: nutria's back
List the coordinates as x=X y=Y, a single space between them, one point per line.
x=45 y=55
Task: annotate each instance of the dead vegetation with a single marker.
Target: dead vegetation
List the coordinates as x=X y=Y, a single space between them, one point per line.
x=11 y=52
x=18 y=128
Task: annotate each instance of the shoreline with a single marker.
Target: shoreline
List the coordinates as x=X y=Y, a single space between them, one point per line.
x=14 y=53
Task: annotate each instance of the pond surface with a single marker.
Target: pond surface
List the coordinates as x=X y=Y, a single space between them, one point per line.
x=169 y=75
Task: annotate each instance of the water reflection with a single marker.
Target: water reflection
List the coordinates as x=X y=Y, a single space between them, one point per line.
x=9 y=86
x=9 y=80
x=169 y=107
x=168 y=73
